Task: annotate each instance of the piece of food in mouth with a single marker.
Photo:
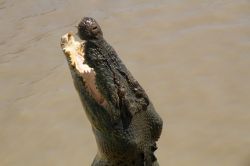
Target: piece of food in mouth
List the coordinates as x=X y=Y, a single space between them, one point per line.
x=74 y=51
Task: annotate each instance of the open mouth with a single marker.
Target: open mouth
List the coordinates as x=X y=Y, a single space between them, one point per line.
x=74 y=51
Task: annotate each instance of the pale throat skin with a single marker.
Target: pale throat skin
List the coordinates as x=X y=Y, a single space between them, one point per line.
x=74 y=51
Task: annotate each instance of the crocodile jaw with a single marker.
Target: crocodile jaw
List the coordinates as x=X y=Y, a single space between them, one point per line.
x=74 y=52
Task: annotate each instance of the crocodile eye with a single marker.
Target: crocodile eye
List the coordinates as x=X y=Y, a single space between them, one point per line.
x=94 y=28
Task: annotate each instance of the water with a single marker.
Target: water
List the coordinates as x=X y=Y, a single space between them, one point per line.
x=192 y=58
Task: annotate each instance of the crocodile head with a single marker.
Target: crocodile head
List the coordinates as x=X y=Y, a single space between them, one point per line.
x=124 y=121
x=107 y=82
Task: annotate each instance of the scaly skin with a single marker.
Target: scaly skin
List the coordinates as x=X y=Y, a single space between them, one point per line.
x=124 y=121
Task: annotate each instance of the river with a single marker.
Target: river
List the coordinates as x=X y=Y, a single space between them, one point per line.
x=192 y=57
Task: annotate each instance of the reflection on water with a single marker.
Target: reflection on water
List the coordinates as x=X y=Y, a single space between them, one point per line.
x=192 y=58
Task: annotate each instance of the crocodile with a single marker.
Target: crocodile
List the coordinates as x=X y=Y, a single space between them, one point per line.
x=123 y=119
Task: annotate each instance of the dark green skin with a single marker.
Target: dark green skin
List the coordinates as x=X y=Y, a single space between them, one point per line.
x=127 y=130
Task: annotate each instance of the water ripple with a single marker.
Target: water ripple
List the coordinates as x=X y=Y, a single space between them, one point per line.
x=39 y=14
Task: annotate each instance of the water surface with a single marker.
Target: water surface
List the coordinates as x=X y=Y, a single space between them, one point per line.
x=192 y=58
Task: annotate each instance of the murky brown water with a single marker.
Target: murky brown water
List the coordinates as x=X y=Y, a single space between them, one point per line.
x=192 y=57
